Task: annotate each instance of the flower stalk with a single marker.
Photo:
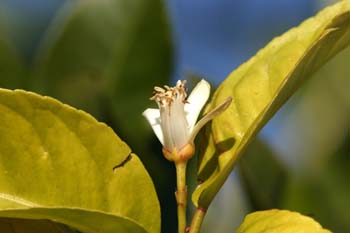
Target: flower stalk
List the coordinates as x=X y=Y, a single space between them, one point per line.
x=197 y=220
x=181 y=195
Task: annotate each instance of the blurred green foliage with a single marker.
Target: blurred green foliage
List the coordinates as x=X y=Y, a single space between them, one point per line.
x=264 y=176
x=11 y=66
x=104 y=57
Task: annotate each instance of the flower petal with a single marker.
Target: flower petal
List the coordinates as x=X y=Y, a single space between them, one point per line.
x=196 y=101
x=209 y=116
x=153 y=117
x=178 y=124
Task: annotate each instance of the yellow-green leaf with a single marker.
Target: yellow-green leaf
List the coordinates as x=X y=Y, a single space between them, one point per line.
x=279 y=221
x=261 y=86
x=61 y=164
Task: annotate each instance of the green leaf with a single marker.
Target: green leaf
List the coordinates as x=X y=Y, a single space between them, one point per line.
x=261 y=86
x=58 y=163
x=279 y=221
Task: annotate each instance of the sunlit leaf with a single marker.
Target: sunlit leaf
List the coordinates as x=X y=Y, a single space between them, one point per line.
x=59 y=163
x=261 y=86
x=279 y=221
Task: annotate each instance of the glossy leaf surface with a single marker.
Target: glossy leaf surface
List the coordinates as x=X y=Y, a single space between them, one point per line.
x=61 y=164
x=261 y=86
x=279 y=221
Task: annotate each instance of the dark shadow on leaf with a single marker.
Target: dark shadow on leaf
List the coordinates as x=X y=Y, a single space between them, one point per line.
x=17 y=225
x=225 y=145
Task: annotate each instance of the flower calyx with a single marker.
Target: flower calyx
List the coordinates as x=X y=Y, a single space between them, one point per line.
x=182 y=155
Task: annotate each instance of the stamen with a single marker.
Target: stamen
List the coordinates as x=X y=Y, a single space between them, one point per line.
x=159 y=89
x=166 y=95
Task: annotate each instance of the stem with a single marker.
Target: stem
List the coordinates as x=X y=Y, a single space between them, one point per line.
x=181 y=195
x=197 y=220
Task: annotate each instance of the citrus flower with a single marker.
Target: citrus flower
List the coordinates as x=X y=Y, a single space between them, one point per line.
x=174 y=123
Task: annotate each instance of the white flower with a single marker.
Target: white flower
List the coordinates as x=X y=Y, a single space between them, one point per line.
x=174 y=123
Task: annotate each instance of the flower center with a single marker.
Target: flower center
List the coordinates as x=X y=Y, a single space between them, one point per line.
x=167 y=95
x=171 y=102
